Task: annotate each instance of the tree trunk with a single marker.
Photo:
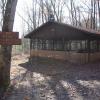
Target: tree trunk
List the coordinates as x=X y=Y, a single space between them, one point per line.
x=8 y=22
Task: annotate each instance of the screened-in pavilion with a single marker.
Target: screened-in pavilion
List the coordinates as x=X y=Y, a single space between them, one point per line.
x=62 y=41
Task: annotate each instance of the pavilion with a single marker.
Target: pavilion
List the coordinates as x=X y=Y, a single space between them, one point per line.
x=63 y=41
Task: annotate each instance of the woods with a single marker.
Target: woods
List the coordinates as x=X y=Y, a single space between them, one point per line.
x=84 y=14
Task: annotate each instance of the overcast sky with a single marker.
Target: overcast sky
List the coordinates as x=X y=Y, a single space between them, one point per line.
x=20 y=10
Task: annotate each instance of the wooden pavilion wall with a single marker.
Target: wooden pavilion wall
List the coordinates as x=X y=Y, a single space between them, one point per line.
x=41 y=49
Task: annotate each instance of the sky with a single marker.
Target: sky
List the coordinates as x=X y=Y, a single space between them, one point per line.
x=20 y=10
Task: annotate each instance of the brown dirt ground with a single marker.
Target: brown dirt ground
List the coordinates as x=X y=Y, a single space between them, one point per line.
x=50 y=79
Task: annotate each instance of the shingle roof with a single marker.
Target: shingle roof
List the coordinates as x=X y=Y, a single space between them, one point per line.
x=62 y=30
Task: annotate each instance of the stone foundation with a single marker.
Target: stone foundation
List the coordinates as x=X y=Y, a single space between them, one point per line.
x=80 y=58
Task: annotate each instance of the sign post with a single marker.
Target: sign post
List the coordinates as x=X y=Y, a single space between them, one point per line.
x=9 y=38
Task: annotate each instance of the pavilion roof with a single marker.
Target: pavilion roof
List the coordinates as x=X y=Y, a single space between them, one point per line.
x=55 y=30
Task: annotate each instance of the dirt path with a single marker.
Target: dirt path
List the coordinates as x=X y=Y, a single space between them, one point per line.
x=58 y=80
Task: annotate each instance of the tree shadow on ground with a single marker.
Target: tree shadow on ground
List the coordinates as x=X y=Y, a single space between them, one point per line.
x=68 y=81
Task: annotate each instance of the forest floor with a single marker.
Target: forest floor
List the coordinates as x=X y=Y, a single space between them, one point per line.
x=53 y=80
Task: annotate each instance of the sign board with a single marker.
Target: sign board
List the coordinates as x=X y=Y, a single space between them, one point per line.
x=10 y=42
x=9 y=38
x=9 y=35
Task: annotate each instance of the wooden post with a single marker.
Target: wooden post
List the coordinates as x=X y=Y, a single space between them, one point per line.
x=63 y=44
x=97 y=45
x=53 y=45
x=69 y=45
x=88 y=47
x=31 y=46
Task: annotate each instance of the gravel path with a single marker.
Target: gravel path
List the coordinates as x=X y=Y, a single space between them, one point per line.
x=53 y=80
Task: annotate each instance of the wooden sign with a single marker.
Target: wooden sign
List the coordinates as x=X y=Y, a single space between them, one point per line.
x=9 y=35
x=9 y=38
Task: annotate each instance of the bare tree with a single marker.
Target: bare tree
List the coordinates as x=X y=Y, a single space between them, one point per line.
x=8 y=21
x=2 y=9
